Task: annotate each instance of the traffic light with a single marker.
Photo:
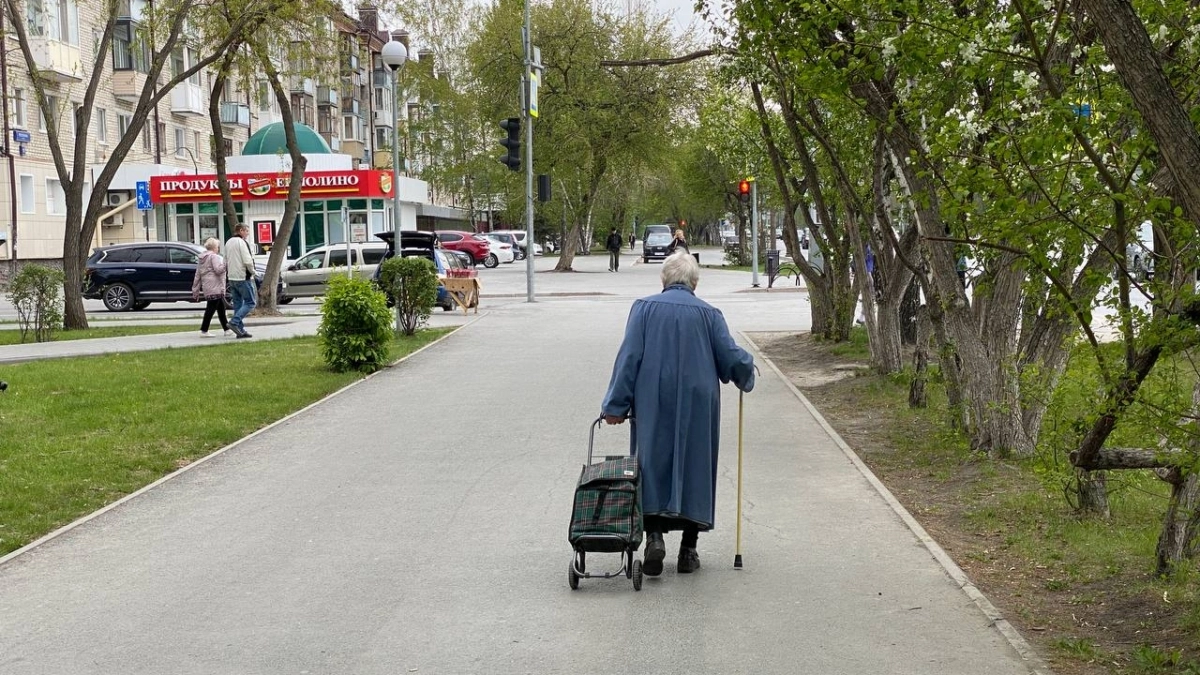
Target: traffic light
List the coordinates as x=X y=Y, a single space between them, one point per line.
x=513 y=143
x=744 y=190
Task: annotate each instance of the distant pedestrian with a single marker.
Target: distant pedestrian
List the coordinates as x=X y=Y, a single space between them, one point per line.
x=613 y=245
x=632 y=240
x=668 y=373
x=239 y=259
x=678 y=244
x=210 y=283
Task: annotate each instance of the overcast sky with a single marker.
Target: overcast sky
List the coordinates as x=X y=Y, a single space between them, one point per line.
x=681 y=11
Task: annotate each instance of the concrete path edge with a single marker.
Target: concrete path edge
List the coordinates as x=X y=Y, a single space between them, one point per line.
x=219 y=451
x=1035 y=662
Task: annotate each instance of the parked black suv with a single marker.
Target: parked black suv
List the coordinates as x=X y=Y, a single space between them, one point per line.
x=131 y=276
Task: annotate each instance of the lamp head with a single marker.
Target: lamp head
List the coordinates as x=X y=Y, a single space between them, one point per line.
x=394 y=54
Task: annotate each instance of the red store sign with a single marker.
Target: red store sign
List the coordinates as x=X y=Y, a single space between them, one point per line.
x=262 y=186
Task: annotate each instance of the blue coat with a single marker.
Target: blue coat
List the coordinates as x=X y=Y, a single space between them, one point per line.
x=676 y=353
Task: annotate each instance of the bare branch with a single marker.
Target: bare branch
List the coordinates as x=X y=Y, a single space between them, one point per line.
x=675 y=60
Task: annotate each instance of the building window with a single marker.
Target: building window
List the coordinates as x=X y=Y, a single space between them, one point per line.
x=129 y=51
x=56 y=199
x=180 y=142
x=383 y=137
x=101 y=126
x=19 y=108
x=75 y=106
x=178 y=62
x=350 y=125
x=27 y=199
x=49 y=113
x=265 y=97
x=146 y=144
x=196 y=143
x=123 y=124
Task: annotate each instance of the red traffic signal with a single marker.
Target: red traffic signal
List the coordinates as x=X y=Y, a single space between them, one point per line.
x=744 y=190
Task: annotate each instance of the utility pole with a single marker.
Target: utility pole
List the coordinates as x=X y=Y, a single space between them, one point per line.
x=528 y=111
x=754 y=229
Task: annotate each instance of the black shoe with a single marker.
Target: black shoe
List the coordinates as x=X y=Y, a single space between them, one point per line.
x=654 y=554
x=244 y=334
x=688 y=562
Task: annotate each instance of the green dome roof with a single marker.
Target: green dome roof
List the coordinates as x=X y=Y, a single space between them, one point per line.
x=270 y=140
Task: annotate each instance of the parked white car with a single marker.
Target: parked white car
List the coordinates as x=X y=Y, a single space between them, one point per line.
x=520 y=237
x=498 y=251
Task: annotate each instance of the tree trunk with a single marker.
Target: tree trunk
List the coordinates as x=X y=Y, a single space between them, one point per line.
x=909 y=308
x=1176 y=542
x=1138 y=63
x=916 y=389
x=1092 y=491
x=74 y=315
x=267 y=303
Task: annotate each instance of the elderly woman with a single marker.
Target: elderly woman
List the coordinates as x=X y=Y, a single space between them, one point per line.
x=209 y=283
x=676 y=353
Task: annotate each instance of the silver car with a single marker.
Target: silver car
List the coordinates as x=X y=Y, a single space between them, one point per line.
x=309 y=276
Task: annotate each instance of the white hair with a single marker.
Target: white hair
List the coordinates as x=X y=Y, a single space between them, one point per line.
x=681 y=268
x=212 y=244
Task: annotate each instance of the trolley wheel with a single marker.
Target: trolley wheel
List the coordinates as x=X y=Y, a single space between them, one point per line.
x=637 y=575
x=572 y=577
x=582 y=562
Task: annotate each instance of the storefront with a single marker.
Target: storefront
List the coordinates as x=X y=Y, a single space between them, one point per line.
x=334 y=205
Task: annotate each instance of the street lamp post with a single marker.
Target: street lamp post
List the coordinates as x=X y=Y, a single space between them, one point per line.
x=394 y=54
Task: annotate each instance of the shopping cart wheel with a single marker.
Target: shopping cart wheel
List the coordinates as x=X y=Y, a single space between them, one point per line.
x=637 y=575
x=572 y=577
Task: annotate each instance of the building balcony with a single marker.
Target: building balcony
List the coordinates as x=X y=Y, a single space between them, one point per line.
x=353 y=148
x=235 y=114
x=127 y=85
x=188 y=99
x=349 y=63
x=327 y=96
x=382 y=78
x=56 y=61
x=335 y=143
x=303 y=85
x=383 y=118
x=384 y=160
x=352 y=106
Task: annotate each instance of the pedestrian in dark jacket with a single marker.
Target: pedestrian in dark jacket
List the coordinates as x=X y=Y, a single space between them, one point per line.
x=613 y=245
x=678 y=244
x=668 y=373
x=632 y=240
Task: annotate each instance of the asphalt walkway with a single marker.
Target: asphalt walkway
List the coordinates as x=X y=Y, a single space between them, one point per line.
x=416 y=523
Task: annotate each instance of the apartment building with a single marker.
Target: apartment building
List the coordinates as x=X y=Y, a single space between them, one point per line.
x=347 y=104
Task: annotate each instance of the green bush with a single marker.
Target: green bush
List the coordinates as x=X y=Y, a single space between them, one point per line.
x=413 y=283
x=356 y=327
x=34 y=291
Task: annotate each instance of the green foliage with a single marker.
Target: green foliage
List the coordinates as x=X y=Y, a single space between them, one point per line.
x=412 y=283
x=355 y=326
x=34 y=291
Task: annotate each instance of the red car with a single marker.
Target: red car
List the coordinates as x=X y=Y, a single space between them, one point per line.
x=465 y=242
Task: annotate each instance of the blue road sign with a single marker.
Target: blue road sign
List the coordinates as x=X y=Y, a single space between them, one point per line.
x=143 y=196
x=21 y=136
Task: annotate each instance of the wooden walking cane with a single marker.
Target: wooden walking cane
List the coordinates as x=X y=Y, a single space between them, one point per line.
x=737 y=556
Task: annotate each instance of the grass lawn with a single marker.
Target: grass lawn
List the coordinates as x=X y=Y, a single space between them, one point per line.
x=83 y=432
x=13 y=336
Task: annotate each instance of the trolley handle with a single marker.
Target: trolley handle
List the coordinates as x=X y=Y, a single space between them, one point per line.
x=632 y=436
